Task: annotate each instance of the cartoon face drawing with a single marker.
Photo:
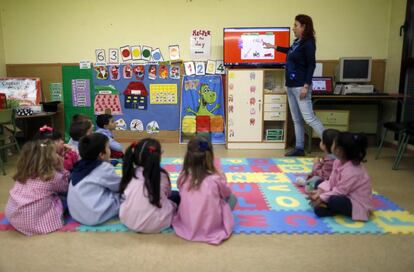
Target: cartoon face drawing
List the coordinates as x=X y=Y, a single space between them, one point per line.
x=252 y=101
x=252 y=121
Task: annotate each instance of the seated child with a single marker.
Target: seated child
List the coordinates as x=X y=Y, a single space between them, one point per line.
x=77 y=130
x=106 y=125
x=75 y=119
x=348 y=190
x=34 y=206
x=145 y=187
x=322 y=167
x=70 y=156
x=93 y=196
x=204 y=213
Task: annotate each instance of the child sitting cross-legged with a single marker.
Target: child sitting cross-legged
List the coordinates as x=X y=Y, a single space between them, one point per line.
x=322 y=167
x=93 y=196
x=348 y=191
x=205 y=210
x=146 y=189
x=34 y=205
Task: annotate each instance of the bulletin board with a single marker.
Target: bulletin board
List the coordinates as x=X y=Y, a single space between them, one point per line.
x=81 y=81
x=140 y=97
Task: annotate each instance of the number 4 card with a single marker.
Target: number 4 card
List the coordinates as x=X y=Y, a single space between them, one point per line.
x=220 y=67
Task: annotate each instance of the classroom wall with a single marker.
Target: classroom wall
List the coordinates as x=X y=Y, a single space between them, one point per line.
x=2 y=56
x=68 y=31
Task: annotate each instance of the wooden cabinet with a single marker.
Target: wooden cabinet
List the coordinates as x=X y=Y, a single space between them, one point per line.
x=336 y=119
x=256 y=114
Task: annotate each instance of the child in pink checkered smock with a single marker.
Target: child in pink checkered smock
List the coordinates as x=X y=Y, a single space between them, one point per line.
x=34 y=206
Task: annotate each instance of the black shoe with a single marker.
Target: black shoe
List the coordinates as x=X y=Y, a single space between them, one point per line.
x=295 y=153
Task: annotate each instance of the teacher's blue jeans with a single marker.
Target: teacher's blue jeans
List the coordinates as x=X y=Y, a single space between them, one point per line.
x=302 y=111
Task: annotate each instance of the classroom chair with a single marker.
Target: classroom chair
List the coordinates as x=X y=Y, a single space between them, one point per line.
x=407 y=134
x=8 y=132
x=395 y=127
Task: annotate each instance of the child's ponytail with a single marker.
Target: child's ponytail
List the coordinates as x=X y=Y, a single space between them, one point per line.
x=152 y=175
x=362 y=142
x=127 y=167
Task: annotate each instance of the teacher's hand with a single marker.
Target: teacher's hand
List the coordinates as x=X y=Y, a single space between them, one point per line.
x=268 y=45
x=303 y=92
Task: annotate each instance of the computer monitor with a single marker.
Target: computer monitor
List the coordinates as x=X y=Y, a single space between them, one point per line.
x=354 y=70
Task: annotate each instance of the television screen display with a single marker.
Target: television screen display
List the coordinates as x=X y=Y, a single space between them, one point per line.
x=244 y=46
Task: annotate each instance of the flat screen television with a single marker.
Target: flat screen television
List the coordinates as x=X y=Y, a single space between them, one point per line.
x=354 y=69
x=243 y=46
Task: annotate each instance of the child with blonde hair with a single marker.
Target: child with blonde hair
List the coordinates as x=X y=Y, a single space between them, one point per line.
x=205 y=210
x=34 y=206
x=146 y=189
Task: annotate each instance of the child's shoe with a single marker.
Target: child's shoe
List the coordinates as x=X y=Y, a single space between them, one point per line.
x=300 y=181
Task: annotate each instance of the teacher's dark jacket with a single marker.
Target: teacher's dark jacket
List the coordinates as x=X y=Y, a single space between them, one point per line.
x=300 y=62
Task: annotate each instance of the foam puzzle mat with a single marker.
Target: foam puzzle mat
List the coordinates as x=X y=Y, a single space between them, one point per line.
x=269 y=202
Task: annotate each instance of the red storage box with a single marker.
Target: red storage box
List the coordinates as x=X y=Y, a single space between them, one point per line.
x=216 y=123
x=203 y=123
x=3 y=101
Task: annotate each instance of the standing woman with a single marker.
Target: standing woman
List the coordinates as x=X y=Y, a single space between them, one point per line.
x=300 y=64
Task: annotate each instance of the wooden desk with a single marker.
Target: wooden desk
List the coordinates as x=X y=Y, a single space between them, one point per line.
x=28 y=118
x=360 y=99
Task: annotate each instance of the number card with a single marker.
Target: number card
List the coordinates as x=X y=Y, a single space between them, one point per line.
x=126 y=53
x=211 y=67
x=189 y=68
x=174 y=51
x=200 y=68
x=163 y=94
x=100 y=55
x=220 y=67
x=136 y=52
x=113 y=55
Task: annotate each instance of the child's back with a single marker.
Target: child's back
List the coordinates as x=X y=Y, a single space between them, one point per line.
x=203 y=214
x=94 y=199
x=93 y=196
x=138 y=214
x=34 y=206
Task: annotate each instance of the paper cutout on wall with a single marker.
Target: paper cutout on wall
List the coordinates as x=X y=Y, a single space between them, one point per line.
x=174 y=51
x=114 y=72
x=127 y=71
x=189 y=68
x=152 y=72
x=55 y=91
x=107 y=100
x=152 y=127
x=113 y=55
x=163 y=72
x=126 y=53
x=120 y=124
x=139 y=72
x=136 y=52
x=81 y=93
x=146 y=52
x=175 y=71
x=163 y=94
x=136 y=125
x=100 y=55
x=156 y=55
x=136 y=96
x=101 y=72
x=202 y=96
x=211 y=67
x=200 y=68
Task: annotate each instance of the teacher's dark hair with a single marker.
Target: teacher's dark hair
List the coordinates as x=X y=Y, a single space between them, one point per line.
x=309 y=31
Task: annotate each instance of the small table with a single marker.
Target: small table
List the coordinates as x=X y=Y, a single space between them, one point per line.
x=28 y=118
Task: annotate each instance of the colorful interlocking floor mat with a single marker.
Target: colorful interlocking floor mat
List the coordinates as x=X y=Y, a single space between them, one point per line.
x=269 y=202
